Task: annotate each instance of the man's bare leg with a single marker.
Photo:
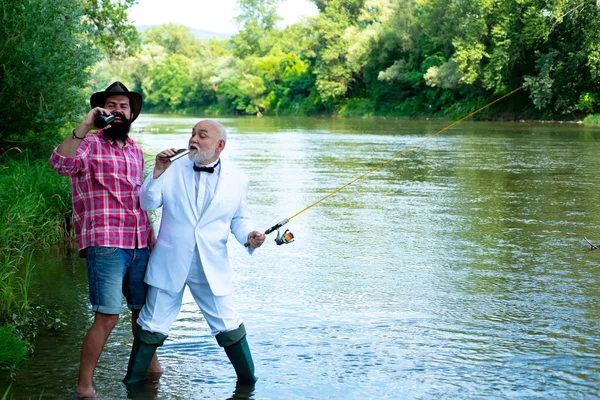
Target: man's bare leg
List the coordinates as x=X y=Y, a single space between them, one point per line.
x=155 y=369
x=92 y=347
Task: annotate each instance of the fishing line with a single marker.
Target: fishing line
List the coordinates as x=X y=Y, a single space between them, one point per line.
x=288 y=237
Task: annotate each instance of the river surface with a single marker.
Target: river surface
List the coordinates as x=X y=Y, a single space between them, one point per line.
x=457 y=271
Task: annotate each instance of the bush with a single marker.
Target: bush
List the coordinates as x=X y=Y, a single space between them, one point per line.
x=357 y=107
x=12 y=349
x=593 y=119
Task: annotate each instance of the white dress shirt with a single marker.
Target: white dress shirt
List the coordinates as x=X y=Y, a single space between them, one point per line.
x=206 y=183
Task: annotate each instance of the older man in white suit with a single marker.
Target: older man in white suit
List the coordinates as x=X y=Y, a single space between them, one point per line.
x=203 y=200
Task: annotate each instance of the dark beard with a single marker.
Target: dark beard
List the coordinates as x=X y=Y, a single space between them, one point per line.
x=118 y=131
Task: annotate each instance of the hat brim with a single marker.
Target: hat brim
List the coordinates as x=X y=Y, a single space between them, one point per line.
x=98 y=99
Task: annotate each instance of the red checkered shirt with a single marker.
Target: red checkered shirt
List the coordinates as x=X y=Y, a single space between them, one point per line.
x=106 y=181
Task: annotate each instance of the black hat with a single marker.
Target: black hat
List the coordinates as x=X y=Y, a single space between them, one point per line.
x=98 y=99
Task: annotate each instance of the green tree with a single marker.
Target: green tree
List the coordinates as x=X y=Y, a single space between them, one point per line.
x=334 y=70
x=239 y=89
x=110 y=28
x=256 y=21
x=410 y=57
x=47 y=48
x=287 y=82
x=169 y=83
x=567 y=56
x=553 y=46
x=175 y=39
x=45 y=53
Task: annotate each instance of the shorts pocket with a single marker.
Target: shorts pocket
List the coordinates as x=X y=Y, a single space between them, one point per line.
x=103 y=251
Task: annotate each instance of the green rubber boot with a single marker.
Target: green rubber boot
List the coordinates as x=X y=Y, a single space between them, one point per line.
x=237 y=350
x=144 y=346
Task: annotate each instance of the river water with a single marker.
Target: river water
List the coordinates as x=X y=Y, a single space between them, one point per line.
x=457 y=271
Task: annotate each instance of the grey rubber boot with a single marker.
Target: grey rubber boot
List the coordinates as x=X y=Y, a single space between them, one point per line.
x=144 y=346
x=237 y=350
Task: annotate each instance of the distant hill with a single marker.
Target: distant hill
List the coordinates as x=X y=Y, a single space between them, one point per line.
x=198 y=33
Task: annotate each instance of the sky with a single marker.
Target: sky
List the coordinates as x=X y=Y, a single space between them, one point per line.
x=209 y=15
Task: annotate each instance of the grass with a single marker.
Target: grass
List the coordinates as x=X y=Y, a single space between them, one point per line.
x=13 y=351
x=5 y=396
x=36 y=203
x=35 y=210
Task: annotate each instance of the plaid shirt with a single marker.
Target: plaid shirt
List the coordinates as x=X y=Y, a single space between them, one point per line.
x=106 y=181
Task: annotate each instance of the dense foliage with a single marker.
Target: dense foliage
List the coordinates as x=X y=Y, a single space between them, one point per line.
x=379 y=57
x=47 y=48
x=356 y=57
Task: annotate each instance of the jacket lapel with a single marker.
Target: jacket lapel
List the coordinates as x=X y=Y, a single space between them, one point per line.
x=222 y=185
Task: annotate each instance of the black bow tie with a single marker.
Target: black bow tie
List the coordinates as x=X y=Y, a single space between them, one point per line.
x=210 y=170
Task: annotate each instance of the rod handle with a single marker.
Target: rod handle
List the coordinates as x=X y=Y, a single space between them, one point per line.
x=271 y=229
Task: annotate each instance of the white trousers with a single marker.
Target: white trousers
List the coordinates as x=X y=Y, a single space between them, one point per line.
x=162 y=307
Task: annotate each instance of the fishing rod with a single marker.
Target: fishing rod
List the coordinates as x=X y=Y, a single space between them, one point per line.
x=288 y=237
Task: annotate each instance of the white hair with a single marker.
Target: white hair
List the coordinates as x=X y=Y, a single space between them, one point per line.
x=222 y=131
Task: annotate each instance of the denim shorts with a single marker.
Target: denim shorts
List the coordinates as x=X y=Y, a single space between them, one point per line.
x=114 y=273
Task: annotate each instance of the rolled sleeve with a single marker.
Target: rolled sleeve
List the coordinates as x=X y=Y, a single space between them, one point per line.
x=69 y=166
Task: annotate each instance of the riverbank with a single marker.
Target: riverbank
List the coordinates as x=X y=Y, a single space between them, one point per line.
x=35 y=212
x=350 y=112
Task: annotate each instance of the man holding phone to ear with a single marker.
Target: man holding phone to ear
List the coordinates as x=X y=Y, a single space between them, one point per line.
x=203 y=199
x=107 y=170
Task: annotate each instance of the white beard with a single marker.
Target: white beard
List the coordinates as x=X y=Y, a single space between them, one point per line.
x=201 y=157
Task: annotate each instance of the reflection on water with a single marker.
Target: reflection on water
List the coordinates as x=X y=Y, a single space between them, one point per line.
x=458 y=271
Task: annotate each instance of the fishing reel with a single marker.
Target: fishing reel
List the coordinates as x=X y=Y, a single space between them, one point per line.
x=287 y=237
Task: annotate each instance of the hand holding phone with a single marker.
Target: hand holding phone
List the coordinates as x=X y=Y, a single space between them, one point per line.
x=101 y=121
x=178 y=154
x=163 y=160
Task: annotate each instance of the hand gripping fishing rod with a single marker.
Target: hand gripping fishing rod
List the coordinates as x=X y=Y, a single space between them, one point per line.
x=288 y=237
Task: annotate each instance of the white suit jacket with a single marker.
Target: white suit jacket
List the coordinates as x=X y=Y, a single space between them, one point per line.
x=182 y=229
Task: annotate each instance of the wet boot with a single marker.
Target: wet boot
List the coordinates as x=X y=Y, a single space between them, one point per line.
x=237 y=350
x=144 y=346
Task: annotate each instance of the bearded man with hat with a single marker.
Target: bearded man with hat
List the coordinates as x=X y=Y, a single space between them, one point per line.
x=113 y=233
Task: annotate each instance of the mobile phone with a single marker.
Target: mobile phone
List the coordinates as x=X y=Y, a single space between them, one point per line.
x=102 y=120
x=178 y=154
